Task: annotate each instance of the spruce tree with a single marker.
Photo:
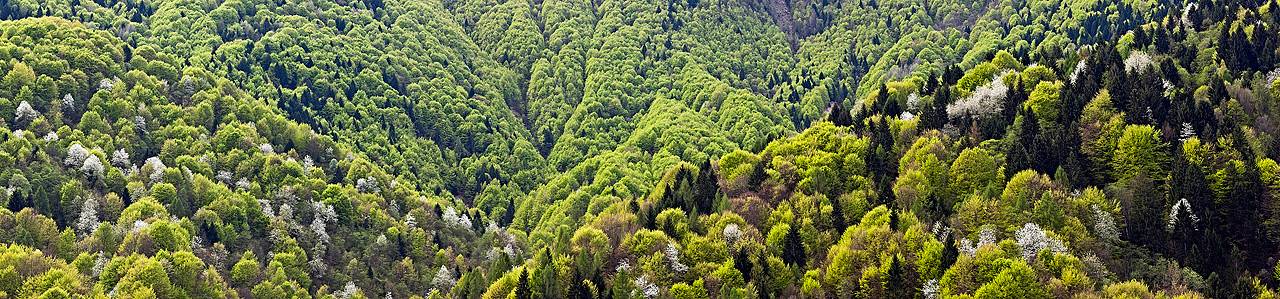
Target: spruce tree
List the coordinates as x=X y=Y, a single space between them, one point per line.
x=522 y=286
x=793 y=250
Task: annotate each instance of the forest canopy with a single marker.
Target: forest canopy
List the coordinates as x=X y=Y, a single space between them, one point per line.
x=639 y=149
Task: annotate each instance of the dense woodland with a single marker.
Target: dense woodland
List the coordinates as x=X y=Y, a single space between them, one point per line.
x=639 y=149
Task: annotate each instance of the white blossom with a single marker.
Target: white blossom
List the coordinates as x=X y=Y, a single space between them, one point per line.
x=93 y=167
x=88 y=221
x=966 y=247
x=673 y=256
x=1177 y=209
x=243 y=183
x=99 y=264
x=984 y=102
x=140 y=123
x=51 y=137
x=68 y=103
x=347 y=291
x=120 y=158
x=76 y=154
x=906 y=115
x=317 y=264
x=913 y=101
x=157 y=169
x=444 y=279
x=941 y=231
x=646 y=288
x=25 y=112
x=318 y=227
x=224 y=177
x=931 y=289
x=1137 y=62
x=1272 y=76
x=1186 y=14
x=1104 y=225
x=106 y=84
x=452 y=218
x=138 y=225
x=732 y=233
x=323 y=213
x=265 y=204
x=623 y=266
x=1032 y=239
x=267 y=148
x=368 y=185
x=986 y=236
x=1186 y=132
x=410 y=221
x=1081 y=66
x=285 y=212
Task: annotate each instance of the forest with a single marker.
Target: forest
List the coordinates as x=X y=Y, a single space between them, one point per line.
x=640 y=149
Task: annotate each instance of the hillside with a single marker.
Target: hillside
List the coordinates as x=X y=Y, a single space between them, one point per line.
x=653 y=149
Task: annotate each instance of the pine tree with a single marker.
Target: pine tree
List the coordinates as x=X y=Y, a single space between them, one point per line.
x=838 y=115
x=509 y=214
x=706 y=188
x=522 y=286
x=897 y=283
x=935 y=115
x=793 y=250
x=742 y=264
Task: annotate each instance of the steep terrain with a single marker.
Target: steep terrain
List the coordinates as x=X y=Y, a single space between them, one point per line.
x=619 y=149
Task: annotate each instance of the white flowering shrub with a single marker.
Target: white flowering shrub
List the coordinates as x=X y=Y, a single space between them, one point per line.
x=673 y=256
x=99 y=264
x=267 y=148
x=106 y=83
x=443 y=280
x=985 y=237
x=51 y=137
x=1032 y=239
x=25 y=112
x=69 y=103
x=1137 y=62
x=645 y=287
x=1186 y=15
x=454 y=219
x=348 y=291
x=1186 y=132
x=1104 y=225
x=931 y=289
x=120 y=158
x=410 y=221
x=93 y=168
x=157 y=169
x=140 y=123
x=1081 y=66
x=76 y=154
x=88 y=220
x=732 y=233
x=984 y=102
x=368 y=185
